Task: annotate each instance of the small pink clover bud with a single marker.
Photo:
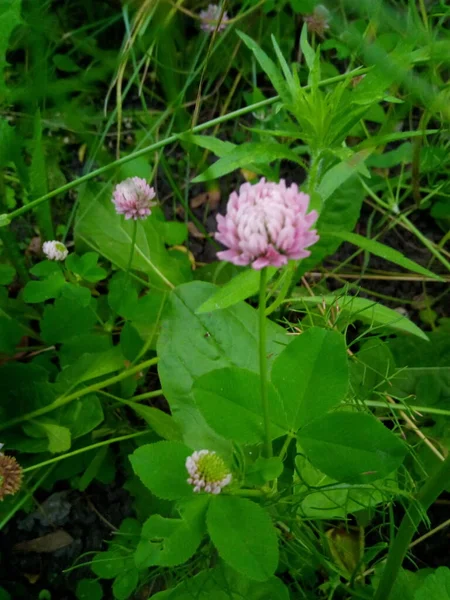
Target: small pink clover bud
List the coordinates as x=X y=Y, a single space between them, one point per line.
x=207 y=472
x=210 y=16
x=266 y=224
x=133 y=198
x=55 y=250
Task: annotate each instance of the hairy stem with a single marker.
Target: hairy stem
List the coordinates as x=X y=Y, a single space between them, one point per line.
x=263 y=361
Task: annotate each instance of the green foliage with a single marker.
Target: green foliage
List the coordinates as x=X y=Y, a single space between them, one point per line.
x=222 y=583
x=353 y=109
x=311 y=375
x=244 y=536
x=166 y=542
x=351 y=447
x=229 y=399
x=436 y=585
x=161 y=467
x=193 y=344
x=89 y=589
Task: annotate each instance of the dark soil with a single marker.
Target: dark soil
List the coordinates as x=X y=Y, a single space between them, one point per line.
x=87 y=517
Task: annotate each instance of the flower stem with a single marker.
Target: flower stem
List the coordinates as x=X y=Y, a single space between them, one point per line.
x=263 y=360
x=130 y=260
x=424 y=498
x=107 y=442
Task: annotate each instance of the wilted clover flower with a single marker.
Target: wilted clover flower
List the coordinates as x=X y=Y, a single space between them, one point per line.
x=266 y=224
x=207 y=472
x=133 y=198
x=210 y=16
x=10 y=475
x=55 y=250
x=318 y=21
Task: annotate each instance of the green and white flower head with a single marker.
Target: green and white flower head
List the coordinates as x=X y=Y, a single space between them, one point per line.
x=55 y=250
x=207 y=472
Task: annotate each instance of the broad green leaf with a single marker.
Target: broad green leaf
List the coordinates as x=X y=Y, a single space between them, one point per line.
x=264 y=470
x=77 y=293
x=7 y=274
x=340 y=213
x=248 y=153
x=239 y=288
x=166 y=542
x=113 y=238
x=96 y=342
x=224 y=583
x=353 y=308
x=66 y=319
x=89 y=589
x=191 y=345
x=90 y=366
x=9 y=19
x=81 y=416
x=311 y=375
x=40 y=291
x=59 y=439
x=230 y=401
x=45 y=268
x=383 y=252
x=351 y=447
x=11 y=333
x=436 y=585
x=321 y=497
x=267 y=64
x=163 y=424
x=108 y=565
x=27 y=388
x=125 y=583
x=161 y=467
x=244 y=536
x=341 y=172
x=372 y=370
x=86 y=266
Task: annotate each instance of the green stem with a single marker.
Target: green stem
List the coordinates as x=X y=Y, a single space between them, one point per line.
x=63 y=400
x=286 y=280
x=314 y=172
x=426 y=410
x=5 y=219
x=18 y=505
x=130 y=260
x=286 y=445
x=50 y=461
x=429 y=492
x=263 y=360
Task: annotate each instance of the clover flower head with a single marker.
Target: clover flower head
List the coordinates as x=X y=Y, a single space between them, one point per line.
x=54 y=250
x=210 y=16
x=266 y=224
x=318 y=21
x=133 y=198
x=207 y=472
x=10 y=475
